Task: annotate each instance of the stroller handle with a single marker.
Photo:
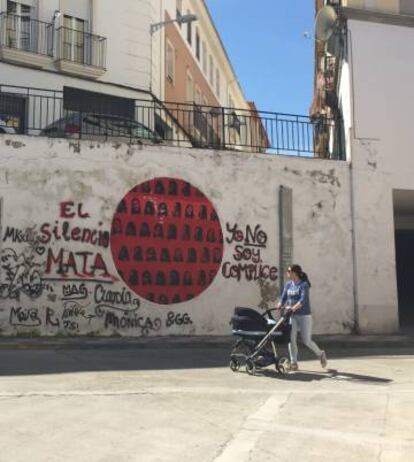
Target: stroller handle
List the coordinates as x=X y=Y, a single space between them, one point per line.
x=269 y=313
x=285 y=313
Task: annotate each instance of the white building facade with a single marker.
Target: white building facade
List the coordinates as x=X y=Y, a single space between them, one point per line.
x=77 y=42
x=372 y=81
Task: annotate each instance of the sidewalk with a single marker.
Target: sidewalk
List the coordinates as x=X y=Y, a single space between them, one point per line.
x=175 y=399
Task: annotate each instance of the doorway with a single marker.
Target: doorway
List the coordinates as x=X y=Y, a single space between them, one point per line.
x=404 y=255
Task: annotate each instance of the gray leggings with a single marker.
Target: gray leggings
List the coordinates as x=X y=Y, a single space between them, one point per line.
x=304 y=324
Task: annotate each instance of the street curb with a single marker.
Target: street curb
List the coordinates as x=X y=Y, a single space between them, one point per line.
x=79 y=342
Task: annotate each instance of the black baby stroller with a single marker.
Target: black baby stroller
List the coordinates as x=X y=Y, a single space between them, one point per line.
x=258 y=336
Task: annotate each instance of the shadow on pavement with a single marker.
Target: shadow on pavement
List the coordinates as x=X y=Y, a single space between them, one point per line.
x=56 y=361
x=333 y=374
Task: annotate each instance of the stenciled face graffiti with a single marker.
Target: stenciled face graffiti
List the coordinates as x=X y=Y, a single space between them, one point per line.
x=166 y=241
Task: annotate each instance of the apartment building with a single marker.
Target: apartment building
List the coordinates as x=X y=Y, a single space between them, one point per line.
x=364 y=75
x=69 y=47
x=126 y=59
x=199 y=75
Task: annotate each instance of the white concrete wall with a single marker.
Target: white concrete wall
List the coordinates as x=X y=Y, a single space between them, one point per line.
x=40 y=175
x=49 y=81
x=382 y=158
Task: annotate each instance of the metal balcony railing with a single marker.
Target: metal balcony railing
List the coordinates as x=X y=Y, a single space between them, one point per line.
x=81 y=47
x=61 y=114
x=26 y=34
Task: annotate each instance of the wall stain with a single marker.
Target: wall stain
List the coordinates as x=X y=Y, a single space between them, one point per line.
x=75 y=146
x=269 y=293
x=323 y=177
x=316 y=208
x=295 y=172
x=15 y=144
x=371 y=152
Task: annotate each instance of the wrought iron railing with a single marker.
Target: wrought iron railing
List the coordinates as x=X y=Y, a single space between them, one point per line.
x=52 y=113
x=26 y=34
x=81 y=47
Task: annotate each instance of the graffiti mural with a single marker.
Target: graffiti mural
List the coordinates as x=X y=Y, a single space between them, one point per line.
x=57 y=275
x=248 y=243
x=166 y=241
x=20 y=273
x=63 y=263
x=78 y=274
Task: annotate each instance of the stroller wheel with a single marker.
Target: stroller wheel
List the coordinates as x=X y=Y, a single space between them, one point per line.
x=234 y=365
x=283 y=365
x=250 y=367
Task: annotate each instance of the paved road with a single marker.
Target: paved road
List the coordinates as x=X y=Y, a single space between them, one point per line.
x=180 y=402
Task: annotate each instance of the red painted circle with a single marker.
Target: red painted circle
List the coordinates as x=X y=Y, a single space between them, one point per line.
x=166 y=241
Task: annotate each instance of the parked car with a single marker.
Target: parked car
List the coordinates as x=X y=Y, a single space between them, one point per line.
x=103 y=127
x=7 y=125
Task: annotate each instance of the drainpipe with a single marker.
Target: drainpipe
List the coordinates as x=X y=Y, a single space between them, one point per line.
x=353 y=240
x=352 y=138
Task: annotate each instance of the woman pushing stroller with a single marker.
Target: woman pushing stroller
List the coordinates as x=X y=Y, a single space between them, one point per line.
x=295 y=297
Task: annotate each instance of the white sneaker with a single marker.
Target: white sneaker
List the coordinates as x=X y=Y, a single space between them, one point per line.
x=324 y=360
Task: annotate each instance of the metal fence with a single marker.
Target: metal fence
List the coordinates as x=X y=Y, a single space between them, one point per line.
x=101 y=117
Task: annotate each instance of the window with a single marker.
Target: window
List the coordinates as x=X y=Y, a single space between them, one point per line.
x=211 y=67
x=197 y=44
x=189 y=88
x=170 y=64
x=98 y=103
x=218 y=83
x=407 y=7
x=18 y=25
x=204 y=57
x=189 y=31
x=74 y=39
x=12 y=113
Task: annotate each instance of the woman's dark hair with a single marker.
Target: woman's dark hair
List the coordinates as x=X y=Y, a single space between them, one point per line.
x=297 y=269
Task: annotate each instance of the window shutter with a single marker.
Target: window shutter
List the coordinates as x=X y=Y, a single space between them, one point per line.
x=77 y=8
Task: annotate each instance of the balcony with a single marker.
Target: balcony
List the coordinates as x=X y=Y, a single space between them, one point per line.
x=80 y=53
x=25 y=41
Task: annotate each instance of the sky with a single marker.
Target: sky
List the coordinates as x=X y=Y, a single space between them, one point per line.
x=269 y=53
